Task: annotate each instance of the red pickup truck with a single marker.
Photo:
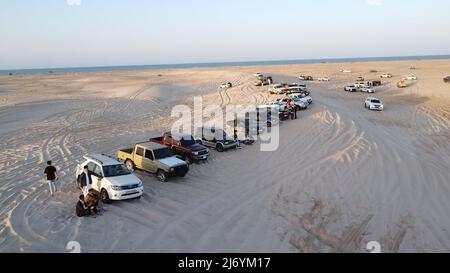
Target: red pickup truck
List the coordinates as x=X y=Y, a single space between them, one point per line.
x=184 y=146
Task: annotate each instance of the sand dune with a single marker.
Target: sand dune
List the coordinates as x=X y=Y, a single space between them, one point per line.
x=342 y=176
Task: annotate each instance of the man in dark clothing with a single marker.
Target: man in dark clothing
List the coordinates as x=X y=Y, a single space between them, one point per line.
x=85 y=180
x=52 y=175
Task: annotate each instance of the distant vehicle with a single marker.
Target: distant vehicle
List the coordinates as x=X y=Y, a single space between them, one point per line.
x=368 y=89
x=323 y=79
x=264 y=81
x=111 y=178
x=374 y=83
x=154 y=158
x=207 y=137
x=350 y=88
x=302 y=96
x=277 y=89
x=245 y=127
x=402 y=84
x=360 y=79
x=185 y=146
x=226 y=85
x=447 y=79
x=258 y=75
x=413 y=68
x=411 y=78
x=359 y=85
x=386 y=76
x=288 y=88
x=306 y=78
x=346 y=71
x=374 y=104
x=299 y=103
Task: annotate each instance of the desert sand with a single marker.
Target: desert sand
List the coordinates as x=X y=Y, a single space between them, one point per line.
x=342 y=177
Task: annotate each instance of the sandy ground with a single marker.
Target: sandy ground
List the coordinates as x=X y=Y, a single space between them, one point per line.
x=342 y=177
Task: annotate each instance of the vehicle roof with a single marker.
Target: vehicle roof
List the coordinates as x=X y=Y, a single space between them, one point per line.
x=152 y=145
x=372 y=98
x=104 y=160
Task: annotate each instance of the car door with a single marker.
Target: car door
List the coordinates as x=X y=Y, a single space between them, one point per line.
x=148 y=161
x=97 y=172
x=138 y=157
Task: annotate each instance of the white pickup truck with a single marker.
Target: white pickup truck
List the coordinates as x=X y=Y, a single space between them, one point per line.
x=111 y=178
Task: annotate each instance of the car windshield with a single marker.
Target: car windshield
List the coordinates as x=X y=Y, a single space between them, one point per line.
x=115 y=170
x=162 y=153
x=186 y=141
x=376 y=101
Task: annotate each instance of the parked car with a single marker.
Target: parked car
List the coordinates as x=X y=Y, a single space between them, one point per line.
x=447 y=79
x=299 y=103
x=411 y=78
x=402 y=84
x=374 y=83
x=386 y=76
x=368 y=89
x=323 y=79
x=360 y=79
x=226 y=85
x=185 y=146
x=245 y=127
x=306 y=78
x=154 y=158
x=277 y=89
x=111 y=178
x=374 y=104
x=350 y=88
x=215 y=138
x=359 y=85
x=306 y=98
x=262 y=81
x=295 y=87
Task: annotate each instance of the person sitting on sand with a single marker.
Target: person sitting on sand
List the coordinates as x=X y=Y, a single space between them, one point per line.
x=82 y=209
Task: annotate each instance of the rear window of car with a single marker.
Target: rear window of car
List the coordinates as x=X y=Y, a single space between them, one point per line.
x=376 y=101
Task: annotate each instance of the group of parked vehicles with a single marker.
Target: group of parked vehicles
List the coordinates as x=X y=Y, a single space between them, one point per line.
x=171 y=155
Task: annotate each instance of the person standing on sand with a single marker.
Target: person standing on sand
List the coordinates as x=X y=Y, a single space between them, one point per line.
x=85 y=180
x=52 y=175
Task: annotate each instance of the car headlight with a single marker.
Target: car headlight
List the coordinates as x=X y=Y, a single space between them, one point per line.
x=196 y=153
x=140 y=184
x=116 y=188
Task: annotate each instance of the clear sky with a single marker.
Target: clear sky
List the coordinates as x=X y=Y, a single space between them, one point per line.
x=60 y=33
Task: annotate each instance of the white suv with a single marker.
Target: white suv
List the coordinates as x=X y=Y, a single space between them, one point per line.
x=111 y=178
x=368 y=89
x=374 y=104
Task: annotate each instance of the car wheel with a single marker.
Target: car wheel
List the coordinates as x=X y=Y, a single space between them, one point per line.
x=105 y=196
x=220 y=148
x=162 y=176
x=129 y=164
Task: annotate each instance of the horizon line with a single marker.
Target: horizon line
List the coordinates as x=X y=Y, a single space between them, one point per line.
x=229 y=63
